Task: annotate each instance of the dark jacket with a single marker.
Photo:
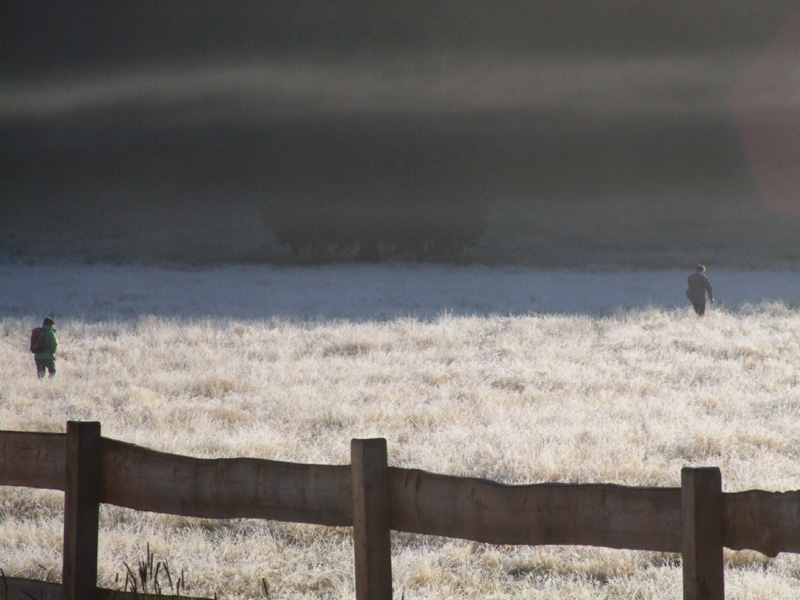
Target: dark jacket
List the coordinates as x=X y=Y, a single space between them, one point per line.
x=50 y=342
x=698 y=286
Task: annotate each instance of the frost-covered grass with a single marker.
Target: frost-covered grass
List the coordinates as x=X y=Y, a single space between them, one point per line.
x=594 y=380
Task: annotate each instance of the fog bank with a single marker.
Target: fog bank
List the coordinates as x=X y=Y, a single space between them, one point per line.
x=363 y=292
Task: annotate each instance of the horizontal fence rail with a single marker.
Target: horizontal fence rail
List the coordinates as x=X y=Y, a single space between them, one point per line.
x=142 y=479
x=768 y=522
x=374 y=499
x=13 y=588
x=566 y=514
x=34 y=460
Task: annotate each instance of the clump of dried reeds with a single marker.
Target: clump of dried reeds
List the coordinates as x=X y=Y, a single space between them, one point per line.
x=152 y=577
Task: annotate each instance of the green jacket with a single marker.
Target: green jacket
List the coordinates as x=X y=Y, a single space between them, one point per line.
x=51 y=342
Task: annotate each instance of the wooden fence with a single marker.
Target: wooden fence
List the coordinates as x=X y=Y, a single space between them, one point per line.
x=697 y=519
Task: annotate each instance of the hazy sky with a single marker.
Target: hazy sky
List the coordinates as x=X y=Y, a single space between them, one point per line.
x=325 y=57
x=513 y=97
x=431 y=84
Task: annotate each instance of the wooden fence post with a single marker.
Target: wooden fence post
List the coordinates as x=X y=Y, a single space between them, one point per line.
x=371 y=534
x=81 y=510
x=701 y=500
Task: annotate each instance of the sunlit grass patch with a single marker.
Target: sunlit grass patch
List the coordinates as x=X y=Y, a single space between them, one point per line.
x=627 y=398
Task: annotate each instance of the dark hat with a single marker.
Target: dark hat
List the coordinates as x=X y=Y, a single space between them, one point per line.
x=48 y=322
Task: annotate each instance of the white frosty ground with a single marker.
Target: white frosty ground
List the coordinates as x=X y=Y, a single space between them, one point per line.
x=360 y=292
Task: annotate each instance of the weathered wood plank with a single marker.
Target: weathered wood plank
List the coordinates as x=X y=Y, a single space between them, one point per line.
x=371 y=533
x=539 y=514
x=15 y=588
x=81 y=511
x=703 y=568
x=768 y=522
x=143 y=479
x=103 y=594
x=34 y=460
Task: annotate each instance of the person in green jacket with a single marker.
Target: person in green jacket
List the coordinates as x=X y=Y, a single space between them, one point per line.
x=46 y=360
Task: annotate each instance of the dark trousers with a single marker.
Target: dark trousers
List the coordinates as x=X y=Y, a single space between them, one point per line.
x=699 y=308
x=44 y=363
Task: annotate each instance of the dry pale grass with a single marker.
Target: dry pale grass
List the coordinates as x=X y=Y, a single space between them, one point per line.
x=628 y=398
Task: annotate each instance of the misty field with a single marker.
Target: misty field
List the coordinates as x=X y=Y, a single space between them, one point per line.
x=628 y=396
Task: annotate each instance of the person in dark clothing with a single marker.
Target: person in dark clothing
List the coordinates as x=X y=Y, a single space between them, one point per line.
x=46 y=359
x=698 y=286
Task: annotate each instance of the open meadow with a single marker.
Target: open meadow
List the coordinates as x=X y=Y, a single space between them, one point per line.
x=509 y=374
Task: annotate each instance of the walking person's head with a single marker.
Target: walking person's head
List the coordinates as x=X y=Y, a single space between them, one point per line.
x=48 y=322
x=701 y=269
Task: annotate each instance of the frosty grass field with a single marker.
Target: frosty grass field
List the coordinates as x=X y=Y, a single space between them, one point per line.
x=510 y=374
